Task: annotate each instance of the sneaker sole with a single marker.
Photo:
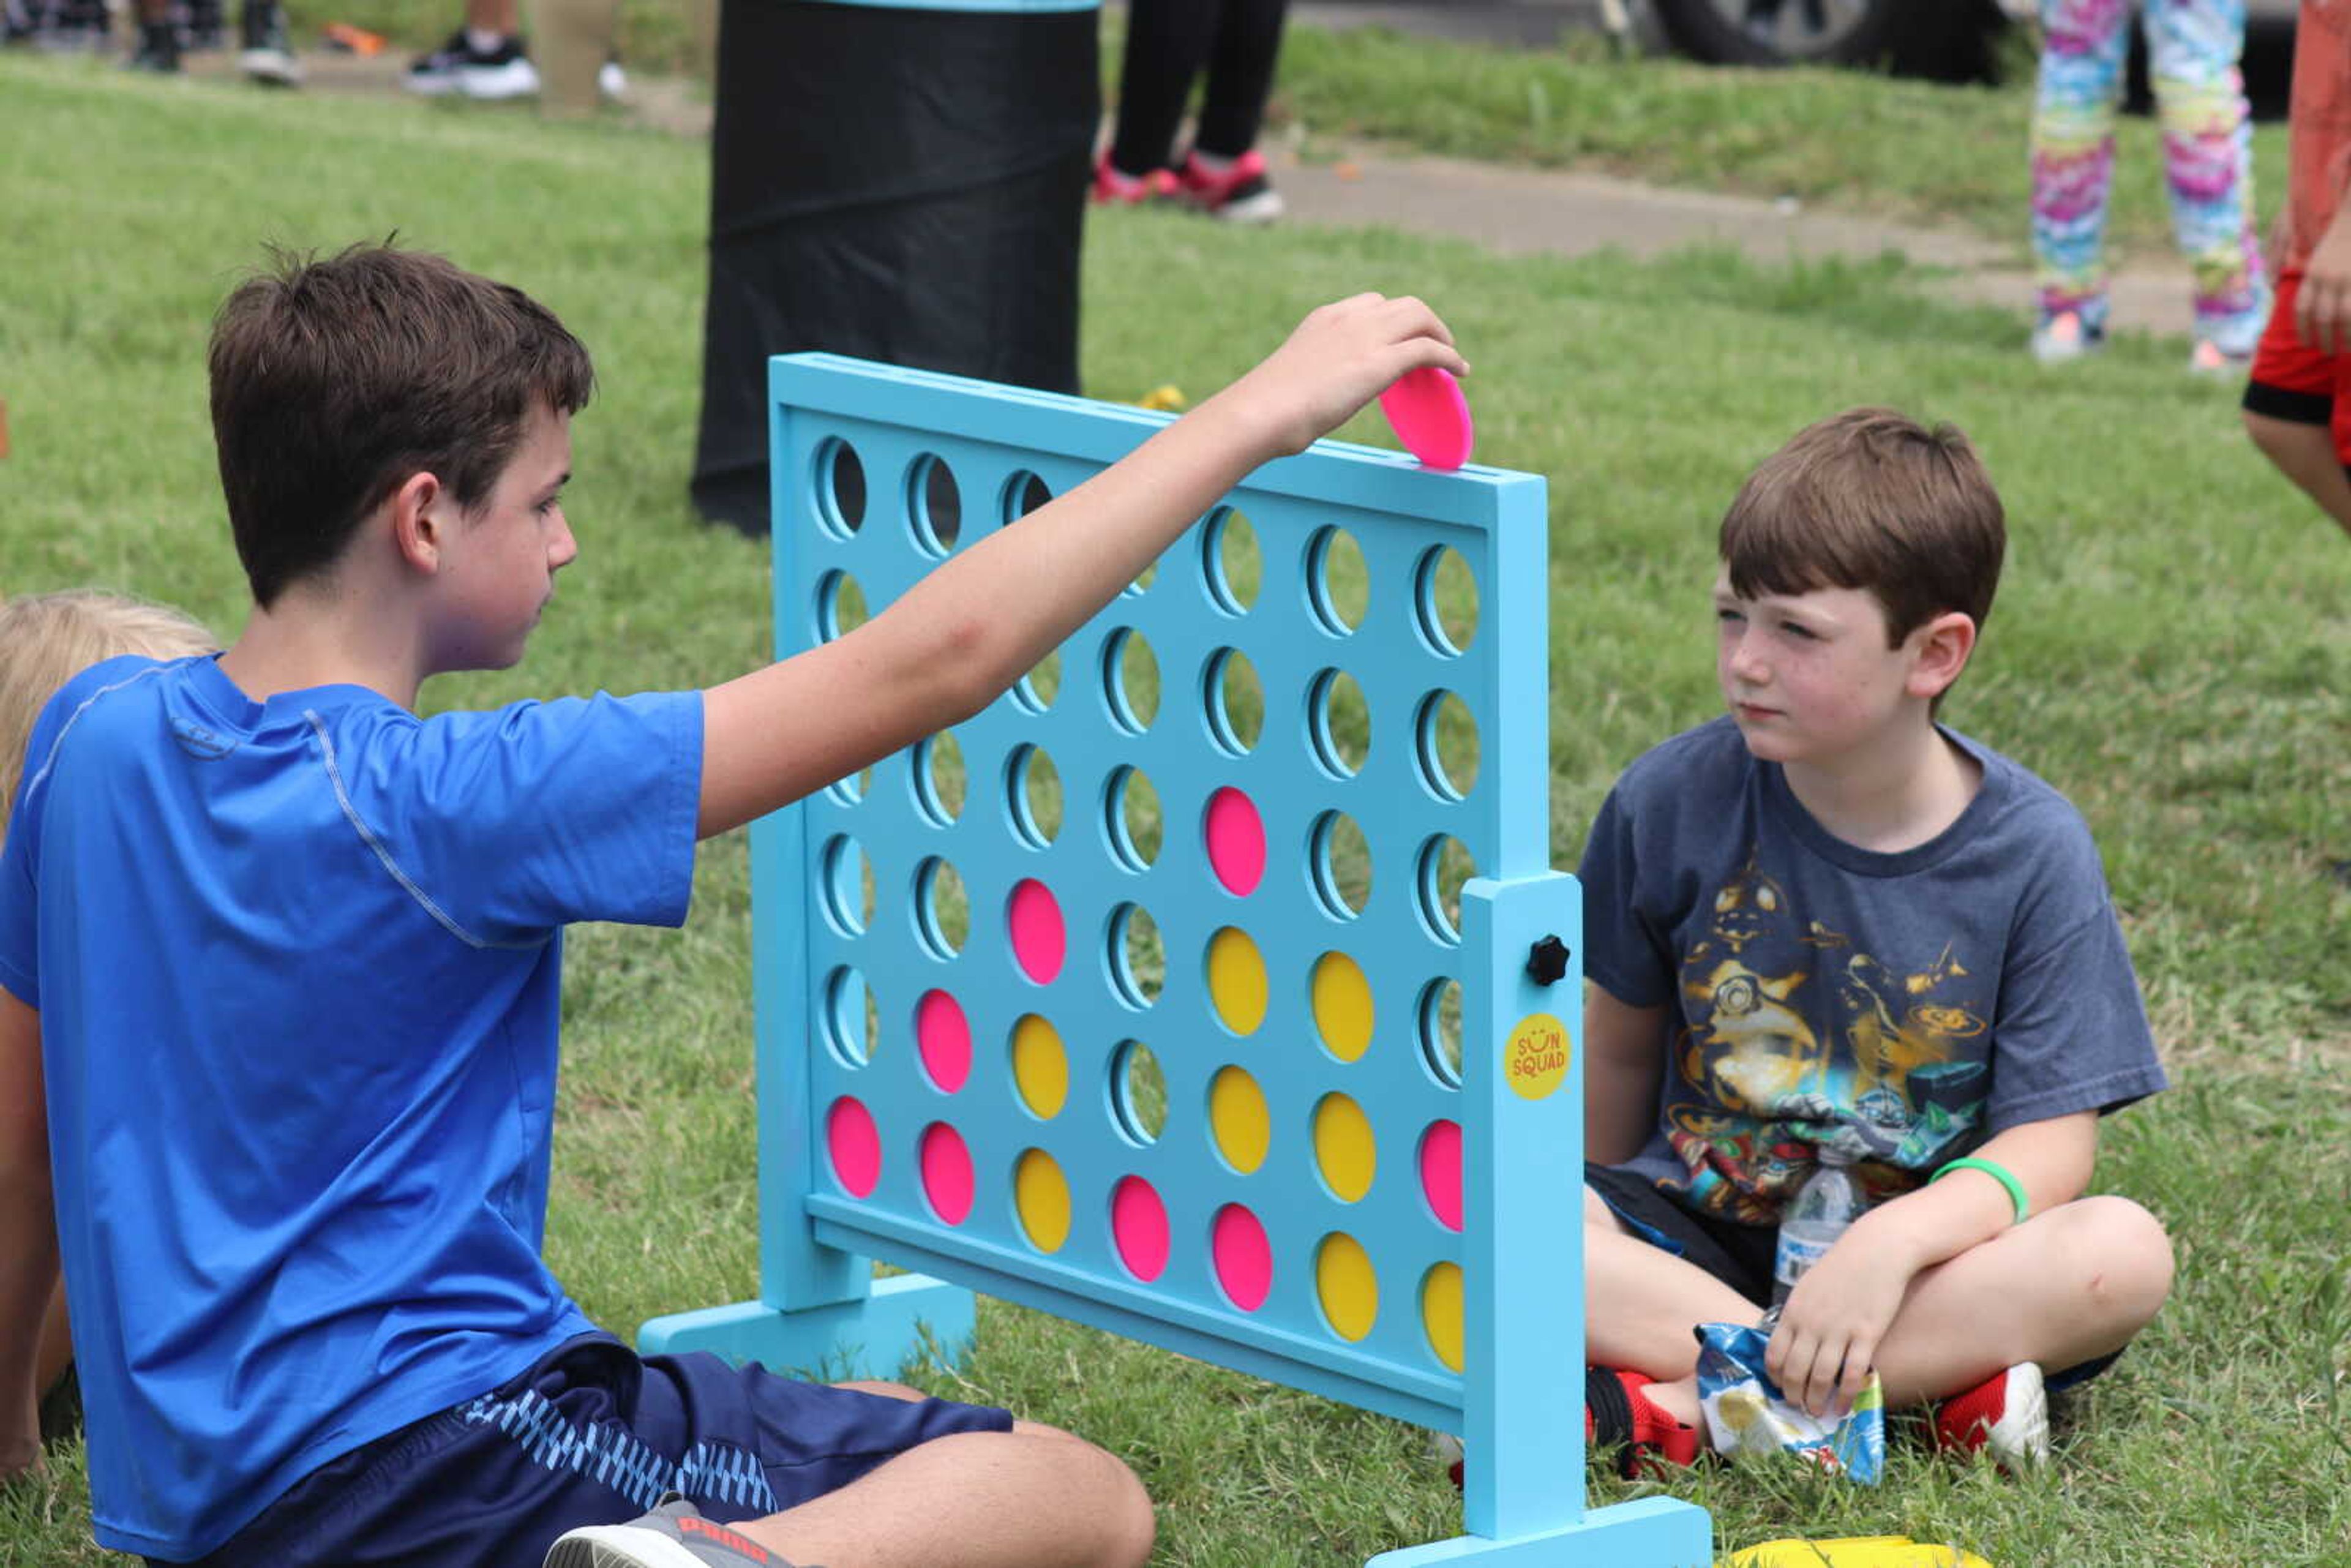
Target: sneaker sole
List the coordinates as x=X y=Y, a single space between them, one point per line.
x=271 y=68
x=620 y=1546
x=1262 y=208
x=494 y=84
x=2021 y=1437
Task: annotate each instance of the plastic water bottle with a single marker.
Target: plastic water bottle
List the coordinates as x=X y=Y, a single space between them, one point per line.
x=1829 y=1201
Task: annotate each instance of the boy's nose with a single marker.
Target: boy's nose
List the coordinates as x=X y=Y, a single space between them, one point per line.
x=562 y=547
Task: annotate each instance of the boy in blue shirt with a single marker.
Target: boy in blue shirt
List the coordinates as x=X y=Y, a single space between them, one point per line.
x=284 y=959
x=1825 y=921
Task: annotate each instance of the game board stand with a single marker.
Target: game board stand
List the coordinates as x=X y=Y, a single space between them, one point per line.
x=1344 y=1275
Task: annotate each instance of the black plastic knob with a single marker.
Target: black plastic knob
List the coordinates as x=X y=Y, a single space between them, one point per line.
x=1547 y=961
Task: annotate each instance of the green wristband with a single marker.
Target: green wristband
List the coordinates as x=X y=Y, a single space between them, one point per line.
x=1998 y=1173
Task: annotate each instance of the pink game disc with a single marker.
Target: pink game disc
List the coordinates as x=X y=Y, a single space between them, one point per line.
x=1243 y=1256
x=946 y=1173
x=1440 y=1172
x=1430 y=416
x=856 y=1146
x=1235 y=837
x=1038 y=938
x=1138 y=1221
x=943 y=1035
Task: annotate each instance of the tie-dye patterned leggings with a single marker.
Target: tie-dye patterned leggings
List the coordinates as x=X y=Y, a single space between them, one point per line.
x=2194 y=46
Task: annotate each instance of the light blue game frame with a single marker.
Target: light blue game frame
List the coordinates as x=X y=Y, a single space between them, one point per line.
x=1519 y=1405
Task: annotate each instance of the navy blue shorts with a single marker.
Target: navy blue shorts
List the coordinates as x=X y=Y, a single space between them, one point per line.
x=1740 y=1256
x=592 y=1434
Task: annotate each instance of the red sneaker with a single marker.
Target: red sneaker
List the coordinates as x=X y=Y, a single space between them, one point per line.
x=1114 y=187
x=1237 y=192
x=1617 y=1414
x=2005 y=1416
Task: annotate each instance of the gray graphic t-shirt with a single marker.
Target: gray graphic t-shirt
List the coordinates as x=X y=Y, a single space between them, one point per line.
x=1905 y=1006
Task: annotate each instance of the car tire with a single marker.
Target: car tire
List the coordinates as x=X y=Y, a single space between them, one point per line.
x=1950 y=42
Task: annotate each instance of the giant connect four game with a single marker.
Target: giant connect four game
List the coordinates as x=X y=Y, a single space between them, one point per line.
x=1211 y=986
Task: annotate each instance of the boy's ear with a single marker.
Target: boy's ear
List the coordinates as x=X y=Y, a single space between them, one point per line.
x=420 y=522
x=1940 y=651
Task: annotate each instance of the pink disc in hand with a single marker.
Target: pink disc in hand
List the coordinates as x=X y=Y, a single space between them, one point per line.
x=1236 y=842
x=855 y=1146
x=1430 y=416
x=1244 y=1257
x=943 y=1035
x=1039 y=941
x=1138 y=1222
x=946 y=1173
x=1440 y=1172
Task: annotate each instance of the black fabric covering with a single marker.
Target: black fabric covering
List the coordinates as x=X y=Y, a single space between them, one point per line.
x=903 y=185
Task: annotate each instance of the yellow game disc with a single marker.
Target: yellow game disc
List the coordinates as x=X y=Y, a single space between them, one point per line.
x=1040 y=1068
x=1342 y=1005
x=1237 y=981
x=1440 y=1313
x=1344 y=1147
x=1041 y=1194
x=1350 y=1290
x=1854 y=1552
x=1237 y=1112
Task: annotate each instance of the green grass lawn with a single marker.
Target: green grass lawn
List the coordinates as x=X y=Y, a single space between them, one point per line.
x=2171 y=650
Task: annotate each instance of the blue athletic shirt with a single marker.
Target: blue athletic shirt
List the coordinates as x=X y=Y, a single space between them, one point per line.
x=297 y=966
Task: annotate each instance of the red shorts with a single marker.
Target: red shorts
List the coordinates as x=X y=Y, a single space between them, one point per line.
x=2291 y=381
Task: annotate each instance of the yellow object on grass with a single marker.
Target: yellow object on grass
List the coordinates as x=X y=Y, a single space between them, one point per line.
x=1854 y=1552
x=1170 y=398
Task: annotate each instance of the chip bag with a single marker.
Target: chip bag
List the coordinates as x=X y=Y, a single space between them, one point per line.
x=1746 y=1413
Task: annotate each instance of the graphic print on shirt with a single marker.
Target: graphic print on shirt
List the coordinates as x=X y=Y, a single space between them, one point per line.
x=1790 y=1038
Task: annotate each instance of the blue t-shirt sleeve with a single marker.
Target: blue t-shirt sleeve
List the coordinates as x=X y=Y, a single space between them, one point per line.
x=533 y=816
x=2071 y=1031
x=20 y=947
x=1625 y=953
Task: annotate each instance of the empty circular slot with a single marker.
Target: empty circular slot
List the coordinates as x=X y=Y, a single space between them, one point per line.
x=1131 y=680
x=1036 y=690
x=840 y=606
x=1445 y=865
x=840 y=487
x=1341 y=864
x=1440 y=1030
x=1023 y=493
x=1445 y=594
x=1133 y=817
x=851 y=789
x=1138 y=964
x=1339 y=721
x=848 y=886
x=1143 y=581
x=1235 y=700
x=1448 y=745
x=1138 y=1093
x=939 y=777
x=933 y=504
x=942 y=909
x=852 y=1023
x=1338 y=582
x=1034 y=787
x=1230 y=562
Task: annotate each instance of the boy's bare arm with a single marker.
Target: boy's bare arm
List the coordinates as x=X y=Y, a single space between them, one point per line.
x=28 y=1232
x=1624 y=1058
x=1829 y=1332
x=958 y=637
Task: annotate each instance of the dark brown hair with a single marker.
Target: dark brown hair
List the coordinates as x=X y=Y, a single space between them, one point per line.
x=1872 y=500
x=334 y=381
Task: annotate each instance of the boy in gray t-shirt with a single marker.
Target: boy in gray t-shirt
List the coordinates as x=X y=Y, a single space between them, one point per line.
x=1825 y=921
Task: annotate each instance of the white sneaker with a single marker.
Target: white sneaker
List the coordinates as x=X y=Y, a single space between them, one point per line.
x=2065 y=337
x=612 y=81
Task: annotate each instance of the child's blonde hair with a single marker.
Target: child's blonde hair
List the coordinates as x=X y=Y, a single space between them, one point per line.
x=47 y=639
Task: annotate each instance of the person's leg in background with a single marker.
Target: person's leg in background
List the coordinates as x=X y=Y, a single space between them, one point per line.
x=1224 y=172
x=2194 y=48
x=1167 y=43
x=2083 y=46
x=483 y=58
x=575 y=45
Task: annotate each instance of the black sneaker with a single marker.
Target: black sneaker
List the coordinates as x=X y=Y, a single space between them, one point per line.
x=674 y=1535
x=457 y=67
x=159 y=51
x=267 y=57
